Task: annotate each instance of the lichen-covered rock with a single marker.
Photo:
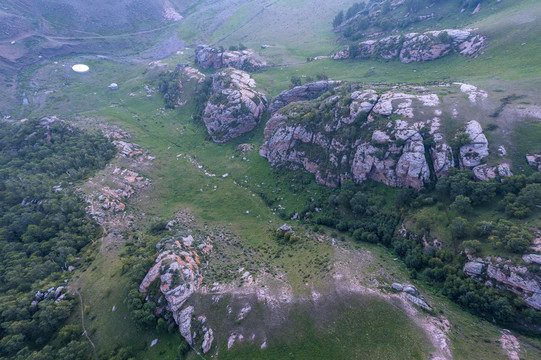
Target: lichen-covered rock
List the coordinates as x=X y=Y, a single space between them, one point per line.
x=337 y=137
x=392 y=136
x=301 y=93
x=235 y=107
x=208 y=57
x=416 y=47
x=473 y=153
x=178 y=269
x=486 y=173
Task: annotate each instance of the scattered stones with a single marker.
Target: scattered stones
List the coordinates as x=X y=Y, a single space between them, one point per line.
x=153 y=342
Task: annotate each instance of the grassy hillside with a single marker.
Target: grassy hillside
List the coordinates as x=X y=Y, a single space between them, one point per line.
x=294 y=30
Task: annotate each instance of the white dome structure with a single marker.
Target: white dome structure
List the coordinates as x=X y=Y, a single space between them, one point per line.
x=80 y=68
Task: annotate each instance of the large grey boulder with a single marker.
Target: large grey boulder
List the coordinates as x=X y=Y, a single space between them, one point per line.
x=473 y=153
x=473 y=268
x=301 y=93
x=235 y=107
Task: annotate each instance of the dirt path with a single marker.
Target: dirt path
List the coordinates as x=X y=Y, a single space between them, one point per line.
x=83 y=323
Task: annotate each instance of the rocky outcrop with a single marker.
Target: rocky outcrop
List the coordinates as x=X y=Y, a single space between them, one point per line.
x=417 y=47
x=534 y=160
x=177 y=86
x=473 y=153
x=486 y=173
x=208 y=57
x=348 y=134
x=390 y=136
x=178 y=269
x=504 y=275
x=235 y=106
x=301 y=93
x=412 y=294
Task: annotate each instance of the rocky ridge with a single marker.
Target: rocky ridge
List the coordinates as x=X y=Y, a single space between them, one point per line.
x=235 y=106
x=498 y=273
x=417 y=47
x=178 y=267
x=391 y=136
x=208 y=57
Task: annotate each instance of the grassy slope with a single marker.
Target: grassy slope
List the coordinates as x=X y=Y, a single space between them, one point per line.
x=177 y=183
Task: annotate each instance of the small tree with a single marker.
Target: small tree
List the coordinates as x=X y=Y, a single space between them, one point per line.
x=338 y=19
x=462 y=204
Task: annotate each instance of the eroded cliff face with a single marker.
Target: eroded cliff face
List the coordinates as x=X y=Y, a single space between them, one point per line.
x=416 y=47
x=208 y=57
x=393 y=136
x=178 y=268
x=502 y=274
x=235 y=106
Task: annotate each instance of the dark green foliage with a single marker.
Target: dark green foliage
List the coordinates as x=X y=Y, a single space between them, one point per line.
x=338 y=19
x=43 y=226
x=462 y=204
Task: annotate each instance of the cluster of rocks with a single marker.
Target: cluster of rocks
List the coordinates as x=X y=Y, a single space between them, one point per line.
x=416 y=47
x=50 y=294
x=235 y=106
x=178 y=267
x=113 y=200
x=356 y=133
x=208 y=57
x=412 y=294
x=502 y=274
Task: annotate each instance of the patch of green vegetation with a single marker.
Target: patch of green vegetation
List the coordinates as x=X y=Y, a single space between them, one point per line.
x=354 y=328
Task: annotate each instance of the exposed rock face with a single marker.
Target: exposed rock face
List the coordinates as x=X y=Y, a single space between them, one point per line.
x=350 y=136
x=532 y=259
x=412 y=294
x=208 y=57
x=534 y=160
x=485 y=172
x=301 y=93
x=516 y=279
x=178 y=268
x=235 y=106
x=416 y=47
x=351 y=132
x=472 y=154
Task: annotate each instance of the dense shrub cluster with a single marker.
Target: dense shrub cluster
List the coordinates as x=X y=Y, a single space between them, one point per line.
x=43 y=227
